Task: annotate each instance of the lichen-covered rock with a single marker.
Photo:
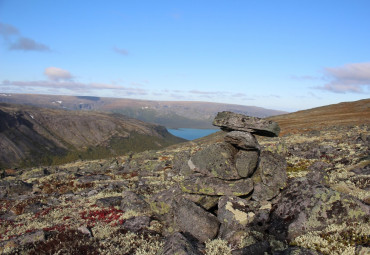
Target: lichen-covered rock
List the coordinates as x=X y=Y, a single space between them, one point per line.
x=234 y=214
x=269 y=177
x=179 y=244
x=239 y=122
x=216 y=187
x=259 y=248
x=109 y=201
x=134 y=202
x=136 y=224
x=216 y=160
x=297 y=251
x=243 y=140
x=10 y=188
x=246 y=162
x=207 y=202
x=193 y=219
x=304 y=207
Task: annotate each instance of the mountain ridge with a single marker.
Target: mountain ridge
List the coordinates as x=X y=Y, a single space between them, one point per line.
x=171 y=114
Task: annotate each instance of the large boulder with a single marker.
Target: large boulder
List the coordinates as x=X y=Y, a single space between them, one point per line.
x=190 y=218
x=305 y=206
x=270 y=176
x=239 y=122
x=216 y=160
x=216 y=187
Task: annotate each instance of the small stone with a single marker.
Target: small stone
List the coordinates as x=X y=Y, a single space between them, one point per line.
x=239 y=122
x=85 y=230
x=216 y=187
x=243 y=140
x=195 y=220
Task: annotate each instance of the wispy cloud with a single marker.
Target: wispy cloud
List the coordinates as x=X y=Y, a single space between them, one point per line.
x=305 y=77
x=27 y=44
x=57 y=74
x=198 y=92
x=353 y=78
x=7 y=30
x=121 y=51
x=16 y=41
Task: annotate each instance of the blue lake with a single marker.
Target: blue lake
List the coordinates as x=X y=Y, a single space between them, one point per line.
x=191 y=133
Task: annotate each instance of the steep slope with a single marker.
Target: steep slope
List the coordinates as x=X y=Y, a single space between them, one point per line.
x=166 y=113
x=30 y=135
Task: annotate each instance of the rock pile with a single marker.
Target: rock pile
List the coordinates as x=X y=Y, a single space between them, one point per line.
x=228 y=185
x=231 y=168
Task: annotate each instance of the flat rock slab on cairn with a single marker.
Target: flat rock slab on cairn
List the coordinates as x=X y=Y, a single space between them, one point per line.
x=239 y=122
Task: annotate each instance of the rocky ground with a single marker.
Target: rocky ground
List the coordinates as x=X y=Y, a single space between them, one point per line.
x=139 y=203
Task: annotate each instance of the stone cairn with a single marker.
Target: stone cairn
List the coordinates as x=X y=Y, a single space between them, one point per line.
x=227 y=168
x=228 y=185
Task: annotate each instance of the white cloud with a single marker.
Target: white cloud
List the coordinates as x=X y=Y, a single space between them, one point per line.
x=353 y=78
x=57 y=74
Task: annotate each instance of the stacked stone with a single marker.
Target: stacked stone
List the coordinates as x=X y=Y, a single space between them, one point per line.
x=228 y=168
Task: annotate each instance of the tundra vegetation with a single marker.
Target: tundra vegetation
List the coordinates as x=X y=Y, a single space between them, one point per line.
x=124 y=204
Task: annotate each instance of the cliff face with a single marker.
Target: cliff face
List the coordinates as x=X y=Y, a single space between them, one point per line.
x=30 y=135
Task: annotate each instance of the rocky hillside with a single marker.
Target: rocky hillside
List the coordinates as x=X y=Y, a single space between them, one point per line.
x=34 y=136
x=165 y=113
x=234 y=192
x=342 y=114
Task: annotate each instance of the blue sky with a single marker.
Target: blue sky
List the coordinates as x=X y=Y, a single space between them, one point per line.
x=287 y=55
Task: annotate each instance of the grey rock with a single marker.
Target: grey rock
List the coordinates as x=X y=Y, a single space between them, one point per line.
x=216 y=187
x=17 y=187
x=179 y=244
x=243 y=140
x=269 y=177
x=109 y=201
x=195 y=220
x=91 y=178
x=33 y=237
x=304 y=207
x=239 y=122
x=204 y=201
x=132 y=201
x=216 y=160
x=136 y=224
x=246 y=162
x=259 y=248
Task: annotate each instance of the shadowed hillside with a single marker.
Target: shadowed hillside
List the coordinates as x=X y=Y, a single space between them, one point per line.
x=31 y=136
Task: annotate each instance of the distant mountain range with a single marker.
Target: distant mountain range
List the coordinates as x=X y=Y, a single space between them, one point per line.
x=171 y=114
x=32 y=136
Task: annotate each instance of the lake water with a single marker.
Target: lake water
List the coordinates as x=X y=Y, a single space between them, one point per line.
x=191 y=133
